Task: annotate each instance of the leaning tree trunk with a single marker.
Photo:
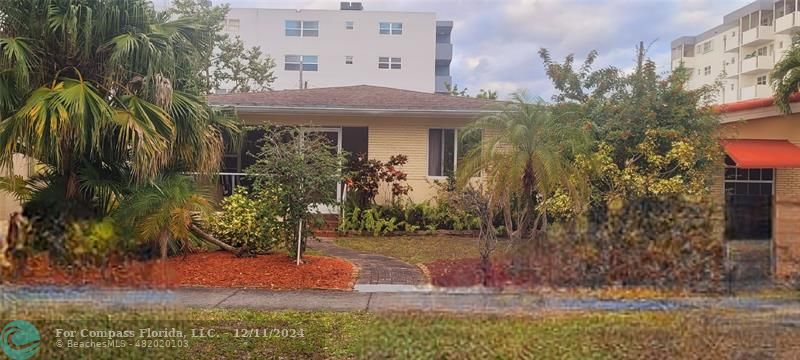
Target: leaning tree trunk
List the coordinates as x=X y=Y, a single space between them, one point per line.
x=212 y=240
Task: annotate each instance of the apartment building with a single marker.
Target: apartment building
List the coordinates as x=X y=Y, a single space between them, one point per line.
x=349 y=46
x=741 y=51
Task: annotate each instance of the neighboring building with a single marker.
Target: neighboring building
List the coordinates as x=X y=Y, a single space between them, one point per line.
x=376 y=121
x=742 y=51
x=350 y=46
x=760 y=186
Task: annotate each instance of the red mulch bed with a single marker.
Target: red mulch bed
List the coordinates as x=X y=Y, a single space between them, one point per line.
x=466 y=272
x=211 y=269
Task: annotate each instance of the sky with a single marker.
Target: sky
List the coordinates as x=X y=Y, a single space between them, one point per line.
x=496 y=42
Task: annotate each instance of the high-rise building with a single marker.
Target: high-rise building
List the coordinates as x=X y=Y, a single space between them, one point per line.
x=349 y=46
x=741 y=52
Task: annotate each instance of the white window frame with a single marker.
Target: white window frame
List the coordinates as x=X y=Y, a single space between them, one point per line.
x=390 y=63
x=301 y=58
x=428 y=153
x=708 y=46
x=707 y=70
x=348 y=60
x=760 y=78
x=349 y=25
x=308 y=28
x=390 y=28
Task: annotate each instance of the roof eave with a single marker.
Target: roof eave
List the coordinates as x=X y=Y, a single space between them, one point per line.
x=288 y=110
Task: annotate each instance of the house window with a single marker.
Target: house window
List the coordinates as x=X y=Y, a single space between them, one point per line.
x=387 y=28
x=748 y=202
x=445 y=149
x=780 y=45
x=732 y=87
x=708 y=46
x=231 y=25
x=707 y=70
x=733 y=60
x=762 y=51
x=761 y=80
x=348 y=60
x=302 y=28
x=348 y=25
x=389 y=63
x=733 y=33
x=292 y=62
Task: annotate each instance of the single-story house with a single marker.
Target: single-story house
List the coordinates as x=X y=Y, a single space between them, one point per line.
x=376 y=121
x=760 y=186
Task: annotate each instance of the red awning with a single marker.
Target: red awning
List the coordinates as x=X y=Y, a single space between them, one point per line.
x=748 y=153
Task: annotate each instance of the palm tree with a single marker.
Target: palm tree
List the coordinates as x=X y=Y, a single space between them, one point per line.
x=525 y=154
x=168 y=209
x=786 y=76
x=104 y=96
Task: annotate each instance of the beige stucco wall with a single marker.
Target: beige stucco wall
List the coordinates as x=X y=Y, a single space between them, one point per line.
x=786 y=226
x=9 y=204
x=387 y=136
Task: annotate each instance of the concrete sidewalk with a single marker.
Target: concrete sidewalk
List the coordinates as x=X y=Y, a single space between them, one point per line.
x=15 y=297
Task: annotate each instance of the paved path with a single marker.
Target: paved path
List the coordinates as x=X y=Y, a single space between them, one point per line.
x=204 y=298
x=373 y=268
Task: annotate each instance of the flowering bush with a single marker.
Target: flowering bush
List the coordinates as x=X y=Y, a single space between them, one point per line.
x=248 y=220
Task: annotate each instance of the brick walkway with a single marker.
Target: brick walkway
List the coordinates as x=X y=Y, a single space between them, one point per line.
x=373 y=268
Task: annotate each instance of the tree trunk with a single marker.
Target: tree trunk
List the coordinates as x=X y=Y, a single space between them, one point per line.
x=163 y=239
x=212 y=240
x=527 y=198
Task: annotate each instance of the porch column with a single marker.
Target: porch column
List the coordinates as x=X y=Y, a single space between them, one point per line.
x=787 y=222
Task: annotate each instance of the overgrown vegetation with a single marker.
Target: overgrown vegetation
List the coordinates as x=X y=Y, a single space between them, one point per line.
x=299 y=171
x=405 y=216
x=611 y=182
x=248 y=220
x=106 y=97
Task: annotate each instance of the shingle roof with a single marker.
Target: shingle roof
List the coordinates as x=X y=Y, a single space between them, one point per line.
x=358 y=97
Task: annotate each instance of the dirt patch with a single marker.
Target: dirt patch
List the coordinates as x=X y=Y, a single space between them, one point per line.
x=466 y=272
x=212 y=269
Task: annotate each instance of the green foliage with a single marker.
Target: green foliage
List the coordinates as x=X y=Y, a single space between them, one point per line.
x=785 y=76
x=225 y=61
x=164 y=211
x=453 y=90
x=409 y=217
x=93 y=241
x=654 y=137
x=300 y=171
x=106 y=98
x=657 y=241
x=526 y=156
x=246 y=219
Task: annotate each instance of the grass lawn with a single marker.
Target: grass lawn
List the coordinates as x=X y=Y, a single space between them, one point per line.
x=661 y=335
x=415 y=249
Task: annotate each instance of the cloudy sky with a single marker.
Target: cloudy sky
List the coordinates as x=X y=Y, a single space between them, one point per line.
x=495 y=42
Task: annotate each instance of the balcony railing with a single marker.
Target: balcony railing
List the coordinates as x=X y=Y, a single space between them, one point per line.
x=757 y=35
x=688 y=62
x=755 y=92
x=757 y=64
x=788 y=24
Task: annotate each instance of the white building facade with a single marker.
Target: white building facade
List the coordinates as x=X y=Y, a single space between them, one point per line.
x=350 y=46
x=742 y=51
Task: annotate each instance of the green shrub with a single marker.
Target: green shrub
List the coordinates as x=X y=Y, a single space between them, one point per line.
x=92 y=241
x=409 y=217
x=247 y=220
